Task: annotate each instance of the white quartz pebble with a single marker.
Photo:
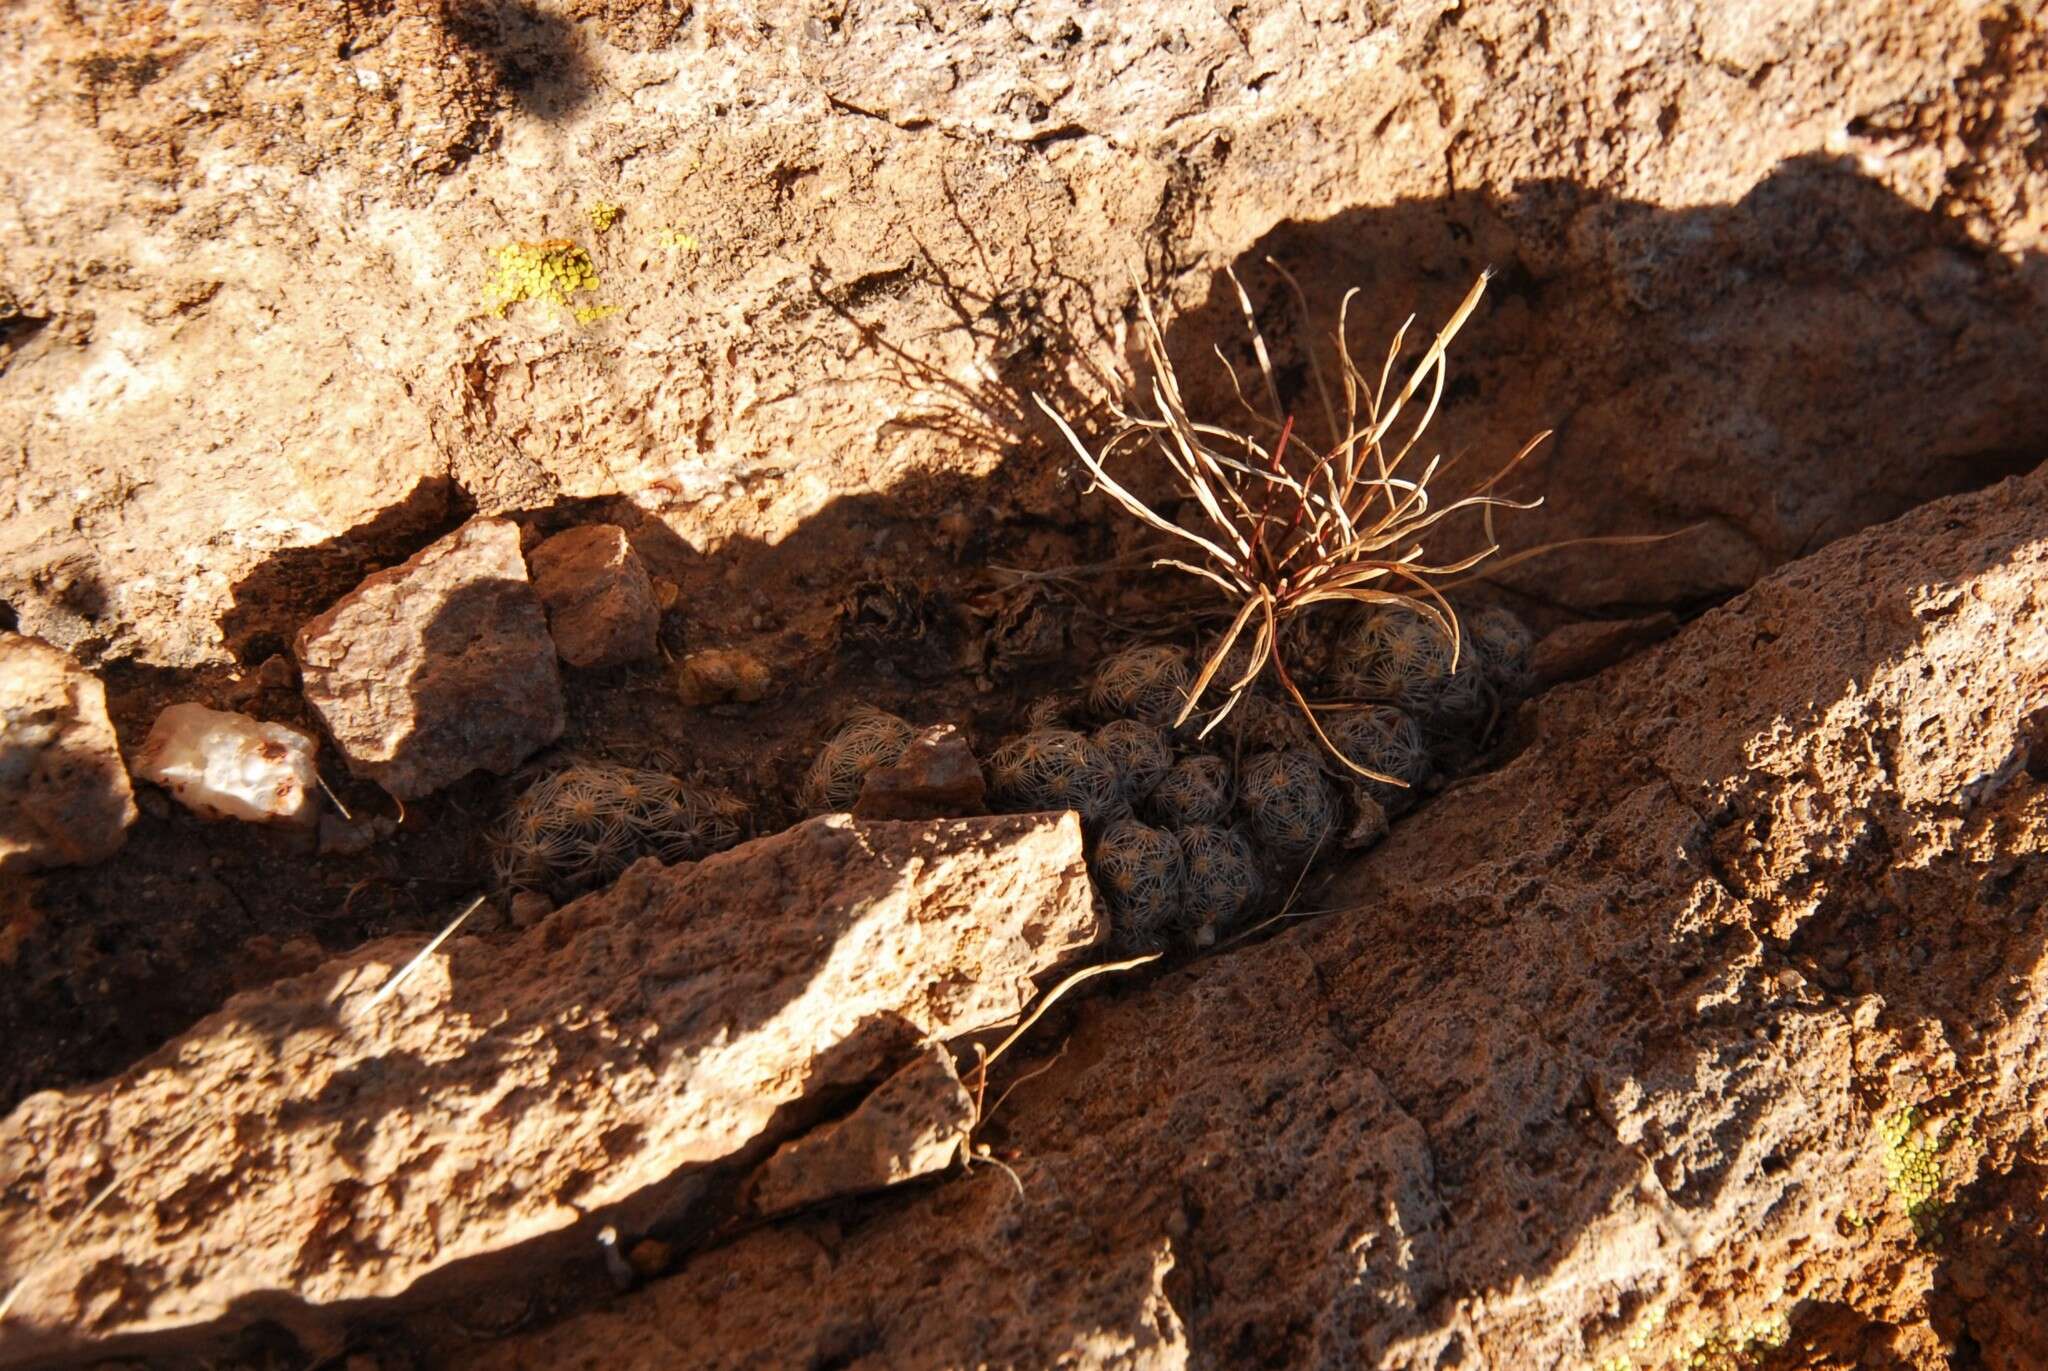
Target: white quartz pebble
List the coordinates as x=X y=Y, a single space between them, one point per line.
x=230 y=766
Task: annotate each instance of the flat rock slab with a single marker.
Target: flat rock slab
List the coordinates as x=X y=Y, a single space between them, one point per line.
x=1615 y=1056
x=65 y=799
x=437 y=667
x=322 y=1141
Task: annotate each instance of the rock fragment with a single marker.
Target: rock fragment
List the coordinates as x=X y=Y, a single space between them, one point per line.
x=913 y=1124
x=600 y=603
x=221 y=765
x=323 y=1137
x=65 y=799
x=718 y=675
x=937 y=776
x=439 y=667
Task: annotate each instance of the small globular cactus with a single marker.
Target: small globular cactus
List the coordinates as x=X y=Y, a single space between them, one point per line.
x=1195 y=790
x=1149 y=683
x=1057 y=768
x=1139 y=869
x=1501 y=643
x=1139 y=753
x=578 y=828
x=1289 y=803
x=1381 y=738
x=869 y=739
x=1397 y=655
x=1222 y=879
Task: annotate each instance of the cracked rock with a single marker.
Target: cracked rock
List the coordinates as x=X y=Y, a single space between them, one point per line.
x=338 y=1139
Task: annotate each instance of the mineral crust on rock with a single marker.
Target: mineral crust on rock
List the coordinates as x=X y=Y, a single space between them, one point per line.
x=442 y=666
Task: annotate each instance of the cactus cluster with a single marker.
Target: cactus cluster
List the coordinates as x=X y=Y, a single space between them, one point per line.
x=1149 y=683
x=579 y=827
x=1245 y=807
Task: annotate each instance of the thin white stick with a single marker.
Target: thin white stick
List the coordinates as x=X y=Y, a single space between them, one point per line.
x=420 y=956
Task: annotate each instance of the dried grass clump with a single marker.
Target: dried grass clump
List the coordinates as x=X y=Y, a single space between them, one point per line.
x=1139 y=753
x=1222 y=879
x=580 y=827
x=1057 y=768
x=869 y=739
x=1140 y=871
x=1284 y=532
x=1291 y=808
x=1195 y=790
x=1148 y=683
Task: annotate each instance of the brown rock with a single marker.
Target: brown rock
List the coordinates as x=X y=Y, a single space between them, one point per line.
x=1576 y=651
x=439 y=667
x=718 y=675
x=339 y=1140
x=1603 y=1056
x=600 y=603
x=64 y=794
x=913 y=1124
x=937 y=776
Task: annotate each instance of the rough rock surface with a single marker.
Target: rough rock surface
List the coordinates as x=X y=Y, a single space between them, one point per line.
x=222 y=765
x=599 y=599
x=937 y=775
x=1604 y=1059
x=1773 y=267
x=64 y=793
x=913 y=1124
x=337 y=1141
x=439 y=667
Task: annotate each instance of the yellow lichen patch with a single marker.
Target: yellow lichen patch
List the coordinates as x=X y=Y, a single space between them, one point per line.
x=547 y=273
x=676 y=239
x=603 y=215
x=1913 y=1148
x=1738 y=1348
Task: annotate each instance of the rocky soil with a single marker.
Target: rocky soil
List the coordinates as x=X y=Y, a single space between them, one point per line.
x=472 y=391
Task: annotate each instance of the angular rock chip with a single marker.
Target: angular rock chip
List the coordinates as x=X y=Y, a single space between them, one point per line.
x=600 y=602
x=936 y=776
x=229 y=766
x=1705 y=1006
x=64 y=793
x=913 y=1124
x=719 y=675
x=338 y=1139
x=439 y=667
